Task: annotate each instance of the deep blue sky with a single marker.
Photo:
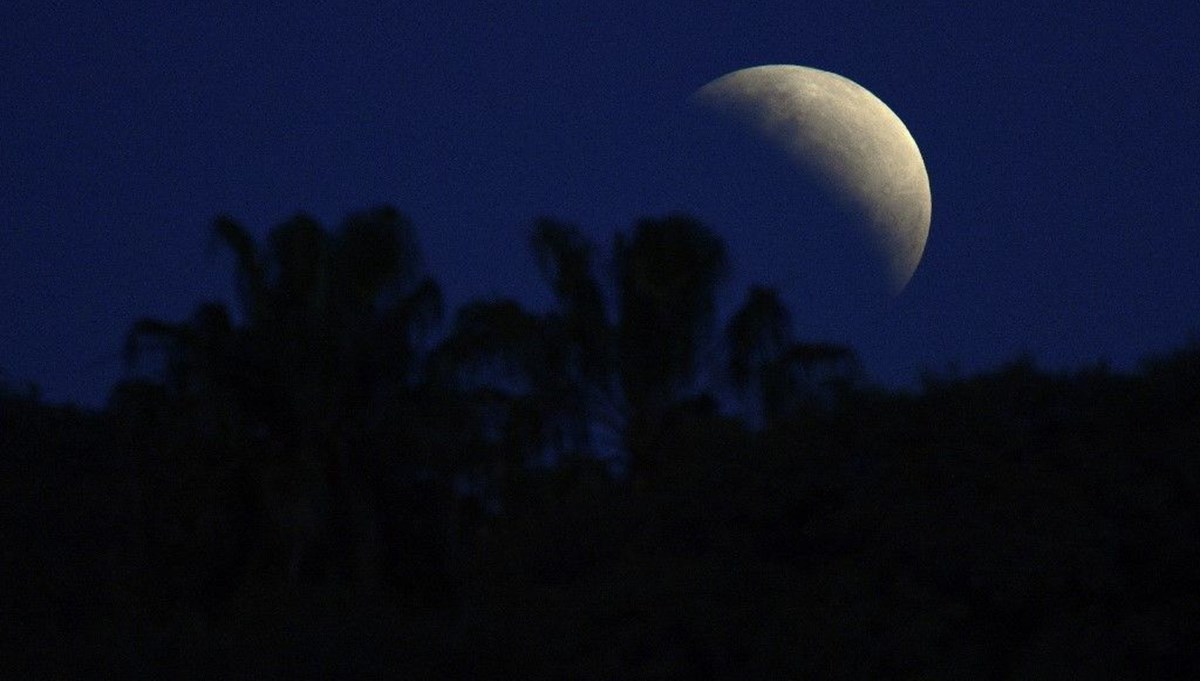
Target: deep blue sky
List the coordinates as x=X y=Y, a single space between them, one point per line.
x=1061 y=140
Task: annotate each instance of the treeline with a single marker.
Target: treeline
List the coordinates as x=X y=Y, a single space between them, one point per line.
x=328 y=480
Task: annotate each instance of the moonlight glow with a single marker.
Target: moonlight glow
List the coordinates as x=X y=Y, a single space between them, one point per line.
x=850 y=139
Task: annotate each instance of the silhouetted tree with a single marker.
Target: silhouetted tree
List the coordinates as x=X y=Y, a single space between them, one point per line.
x=329 y=334
x=586 y=369
x=756 y=337
x=1015 y=523
x=582 y=366
x=667 y=274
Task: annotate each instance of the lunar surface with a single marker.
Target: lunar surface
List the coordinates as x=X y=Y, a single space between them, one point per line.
x=849 y=139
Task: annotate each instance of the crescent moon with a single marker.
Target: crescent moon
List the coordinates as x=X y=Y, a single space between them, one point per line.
x=849 y=138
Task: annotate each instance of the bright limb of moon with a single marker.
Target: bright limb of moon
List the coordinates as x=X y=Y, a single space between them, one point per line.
x=850 y=139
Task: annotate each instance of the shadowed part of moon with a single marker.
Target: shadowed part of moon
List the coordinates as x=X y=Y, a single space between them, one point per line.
x=850 y=139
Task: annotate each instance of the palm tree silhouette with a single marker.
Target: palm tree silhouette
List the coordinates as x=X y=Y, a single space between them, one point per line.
x=581 y=367
x=773 y=372
x=756 y=336
x=667 y=274
x=330 y=331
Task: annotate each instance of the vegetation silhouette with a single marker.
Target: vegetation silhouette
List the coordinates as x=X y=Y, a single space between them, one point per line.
x=317 y=482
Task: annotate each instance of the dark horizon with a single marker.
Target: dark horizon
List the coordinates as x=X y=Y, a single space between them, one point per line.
x=308 y=488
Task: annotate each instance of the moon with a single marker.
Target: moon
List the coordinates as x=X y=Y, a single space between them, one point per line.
x=849 y=139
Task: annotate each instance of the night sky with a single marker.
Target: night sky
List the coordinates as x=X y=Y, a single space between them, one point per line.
x=1061 y=141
